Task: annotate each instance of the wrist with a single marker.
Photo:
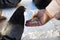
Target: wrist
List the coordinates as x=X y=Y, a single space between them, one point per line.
x=53 y=8
x=49 y=15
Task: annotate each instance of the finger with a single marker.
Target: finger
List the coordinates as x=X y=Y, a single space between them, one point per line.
x=33 y=22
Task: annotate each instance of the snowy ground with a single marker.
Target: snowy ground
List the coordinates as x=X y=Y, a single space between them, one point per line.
x=49 y=31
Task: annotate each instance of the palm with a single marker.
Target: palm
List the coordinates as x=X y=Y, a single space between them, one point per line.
x=38 y=19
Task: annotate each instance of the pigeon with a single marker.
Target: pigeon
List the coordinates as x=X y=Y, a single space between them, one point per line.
x=15 y=25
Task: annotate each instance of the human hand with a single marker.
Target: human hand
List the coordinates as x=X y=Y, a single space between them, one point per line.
x=38 y=19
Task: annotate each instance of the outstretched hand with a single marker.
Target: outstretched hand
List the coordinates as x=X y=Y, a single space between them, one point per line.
x=38 y=19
